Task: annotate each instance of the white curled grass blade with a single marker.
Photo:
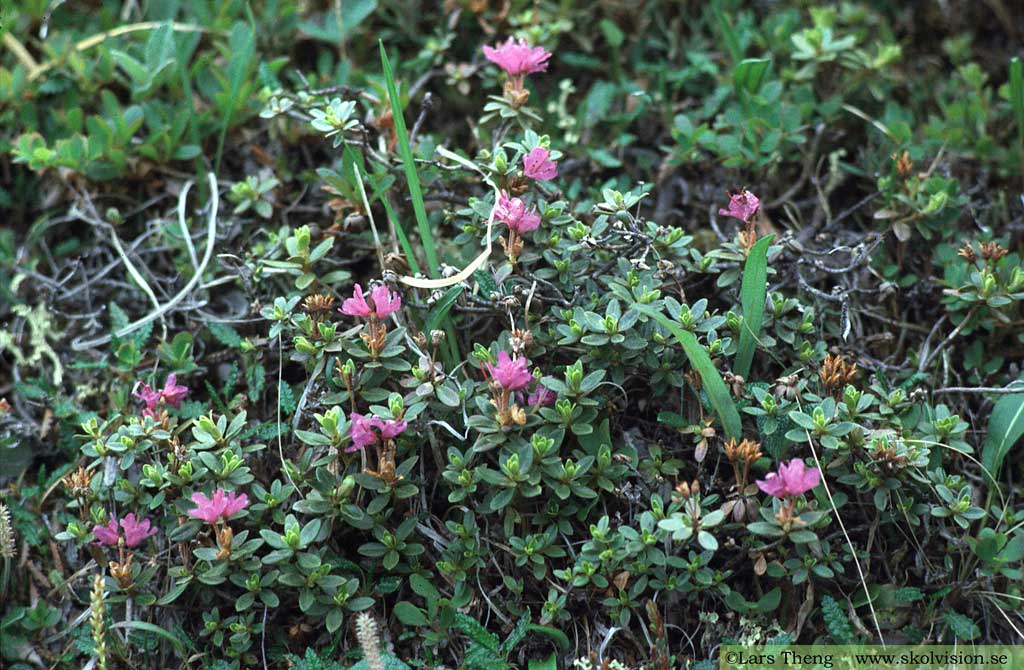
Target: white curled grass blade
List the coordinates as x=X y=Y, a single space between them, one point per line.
x=211 y=236
x=477 y=262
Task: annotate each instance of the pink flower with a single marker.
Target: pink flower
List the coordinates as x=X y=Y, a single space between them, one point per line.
x=369 y=430
x=791 y=480
x=173 y=393
x=537 y=166
x=541 y=397
x=518 y=58
x=135 y=531
x=356 y=305
x=361 y=433
x=511 y=375
x=513 y=213
x=148 y=396
x=385 y=303
x=743 y=205
x=107 y=534
x=221 y=506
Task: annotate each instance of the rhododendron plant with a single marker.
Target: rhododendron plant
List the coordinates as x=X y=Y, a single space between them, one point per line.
x=517 y=59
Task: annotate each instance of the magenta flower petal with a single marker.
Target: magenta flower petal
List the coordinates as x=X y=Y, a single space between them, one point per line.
x=792 y=479
x=147 y=395
x=513 y=213
x=361 y=433
x=511 y=375
x=385 y=302
x=356 y=305
x=773 y=485
x=234 y=503
x=136 y=530
x=173 y=393
x=518 y=58
x=537 y=166
x=541 y=397
x=220 y=506
x=392 y=429
x=742 y=205
x=107 y=534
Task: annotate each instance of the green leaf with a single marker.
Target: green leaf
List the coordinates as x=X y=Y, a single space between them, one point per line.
x=748 y=76
x=331 y=29
x=701 y=362
x=439 y=314
x=409 y=166
x=1005 y=427
x=962 y=627
x=410 y=615
x=549 y=663
x=225 y=334
x=753 y=292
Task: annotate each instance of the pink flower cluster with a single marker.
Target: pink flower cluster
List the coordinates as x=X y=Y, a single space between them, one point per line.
x=518 y=58
x=135 y=531
x=537 y=165
x=221 y=506
x=511 y=375
x=383 y=303
x=367 y=430
x=743 y=205
x=172 y=393
x=792 y=479
x=513 y=213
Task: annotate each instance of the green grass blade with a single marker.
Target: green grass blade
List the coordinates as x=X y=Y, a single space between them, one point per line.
x=145 y=627
x=242 y=49
x=753 y=292
x=1005 y=428
x=701 y=362
x=1017 y=95
x=355 y=158
x=732 y=41
x=411 y=177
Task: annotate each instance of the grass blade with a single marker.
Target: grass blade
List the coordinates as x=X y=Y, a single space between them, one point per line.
x=1005 y=428
x=146 y=627
x=753 y=292
x=732 y=41
x=1017 y=95
x=242 y=49
x=701 y=362
x=411 y=177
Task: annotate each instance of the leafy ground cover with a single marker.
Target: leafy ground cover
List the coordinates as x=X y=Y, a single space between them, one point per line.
x=507 y=334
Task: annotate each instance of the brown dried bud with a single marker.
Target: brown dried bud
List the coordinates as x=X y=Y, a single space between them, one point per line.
x=992 y=252
x=318 y=303
x=904 y=166
x=836 y=373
